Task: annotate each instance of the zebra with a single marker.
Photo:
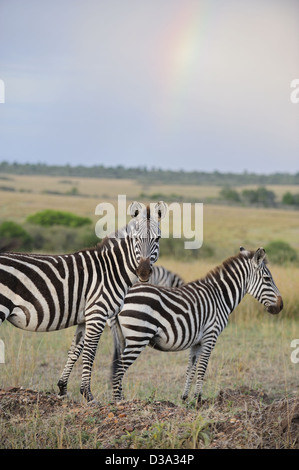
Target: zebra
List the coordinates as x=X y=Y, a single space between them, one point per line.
x=191 y=316
x=163 y=277
x=51 y=292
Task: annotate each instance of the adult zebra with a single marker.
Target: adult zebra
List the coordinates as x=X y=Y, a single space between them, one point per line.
x=191 y=316
x=48 y=293
x=161 y=276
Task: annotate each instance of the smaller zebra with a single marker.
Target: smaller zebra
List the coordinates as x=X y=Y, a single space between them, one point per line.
x=163 y=277
x=191 y=316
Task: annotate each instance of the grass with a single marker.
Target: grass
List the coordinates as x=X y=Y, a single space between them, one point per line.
x=251 y=354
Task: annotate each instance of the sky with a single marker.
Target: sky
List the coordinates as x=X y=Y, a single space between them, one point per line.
x=174 y=84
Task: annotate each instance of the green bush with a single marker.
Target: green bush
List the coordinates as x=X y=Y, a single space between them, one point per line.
x=49 y=217
x=229 y=194
x=280 y=252
x=290 y=199
x=12 y=232
x=260 y=196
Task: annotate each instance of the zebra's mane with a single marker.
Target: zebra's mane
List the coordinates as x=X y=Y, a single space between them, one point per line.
x=215 y=273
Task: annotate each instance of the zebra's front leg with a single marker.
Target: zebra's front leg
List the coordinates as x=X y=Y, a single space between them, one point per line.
x=73 y=355
x=193 y=358
x=93 y=329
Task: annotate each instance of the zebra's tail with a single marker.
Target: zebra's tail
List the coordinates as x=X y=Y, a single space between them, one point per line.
x=119 y=344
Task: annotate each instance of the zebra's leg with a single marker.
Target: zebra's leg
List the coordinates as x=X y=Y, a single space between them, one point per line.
x=207 y=348
x=73 y=355
x=193 y=358
x=94 y=327
x=129 y=355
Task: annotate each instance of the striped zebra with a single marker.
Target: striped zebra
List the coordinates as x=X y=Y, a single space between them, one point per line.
x=163 y=277
x=191 y=316
x=49 y=293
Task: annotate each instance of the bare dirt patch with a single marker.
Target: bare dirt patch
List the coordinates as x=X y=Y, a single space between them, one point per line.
x=239 y=418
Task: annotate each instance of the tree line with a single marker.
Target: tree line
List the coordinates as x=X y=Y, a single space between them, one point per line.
x=150 y=175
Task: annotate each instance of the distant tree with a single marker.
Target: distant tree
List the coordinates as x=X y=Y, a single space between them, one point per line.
x=260 y=196
x=249 y=196
x=290 y=199
x=229 y=194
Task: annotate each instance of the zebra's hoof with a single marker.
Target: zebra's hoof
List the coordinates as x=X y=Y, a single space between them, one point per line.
x=93 y=403
x=119 y=401
x=61 y=396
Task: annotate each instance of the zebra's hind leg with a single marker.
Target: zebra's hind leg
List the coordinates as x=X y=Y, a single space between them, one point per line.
x=129 y=355
x=73 y=355
x=193 y=358
x=205 y=353
x=94 y=327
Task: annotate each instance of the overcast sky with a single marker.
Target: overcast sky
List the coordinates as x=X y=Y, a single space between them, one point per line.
x=174 y=84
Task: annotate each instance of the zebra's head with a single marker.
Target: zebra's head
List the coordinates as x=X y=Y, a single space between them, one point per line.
x=261 y=284
x=144 y=230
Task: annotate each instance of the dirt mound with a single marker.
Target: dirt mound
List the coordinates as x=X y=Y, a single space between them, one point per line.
x=240 y=418
x=256 y=421
x=17 y=401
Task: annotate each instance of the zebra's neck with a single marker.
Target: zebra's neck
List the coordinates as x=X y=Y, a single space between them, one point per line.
x=119 y=248
x=229 y=282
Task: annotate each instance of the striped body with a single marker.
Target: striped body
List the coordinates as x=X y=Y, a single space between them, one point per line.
x=191 y=316
x=48 y=293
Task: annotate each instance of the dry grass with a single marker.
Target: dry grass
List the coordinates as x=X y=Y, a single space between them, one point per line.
x=241 y=418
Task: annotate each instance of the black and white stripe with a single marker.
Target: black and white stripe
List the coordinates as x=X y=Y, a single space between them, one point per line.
x=164 y=277
x=191 y=316
x=48 y=293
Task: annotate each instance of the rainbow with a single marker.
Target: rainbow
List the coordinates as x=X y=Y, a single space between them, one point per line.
x=184 y=44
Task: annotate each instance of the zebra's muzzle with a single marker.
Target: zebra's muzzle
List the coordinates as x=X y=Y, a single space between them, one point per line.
x=144 y=270
x=276 y=308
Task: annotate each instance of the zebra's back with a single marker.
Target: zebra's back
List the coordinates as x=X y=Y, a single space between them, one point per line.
x=165 y=316
x=43 y=292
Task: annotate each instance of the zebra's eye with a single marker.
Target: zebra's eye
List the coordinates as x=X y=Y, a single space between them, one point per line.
x=157 y=238
x=267 y=278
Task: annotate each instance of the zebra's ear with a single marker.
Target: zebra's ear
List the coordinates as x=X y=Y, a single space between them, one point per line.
x=259 y=256
x=135 y=208
x=161 y=209
x=243 y=251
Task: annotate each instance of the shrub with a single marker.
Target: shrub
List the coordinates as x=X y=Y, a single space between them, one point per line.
x=50 y=217
x=12 y=232
x=260 y=196
x=281 y=252
x=229 y=194
x=290 y=199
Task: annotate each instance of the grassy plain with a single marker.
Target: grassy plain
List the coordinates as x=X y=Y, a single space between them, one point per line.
x=254 y=351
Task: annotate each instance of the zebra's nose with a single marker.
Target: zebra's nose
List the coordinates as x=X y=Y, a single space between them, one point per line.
x=280 y=303
x=276 y=308
x=144 y=270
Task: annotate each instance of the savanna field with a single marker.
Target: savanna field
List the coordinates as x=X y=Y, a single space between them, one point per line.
x=251 y=393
